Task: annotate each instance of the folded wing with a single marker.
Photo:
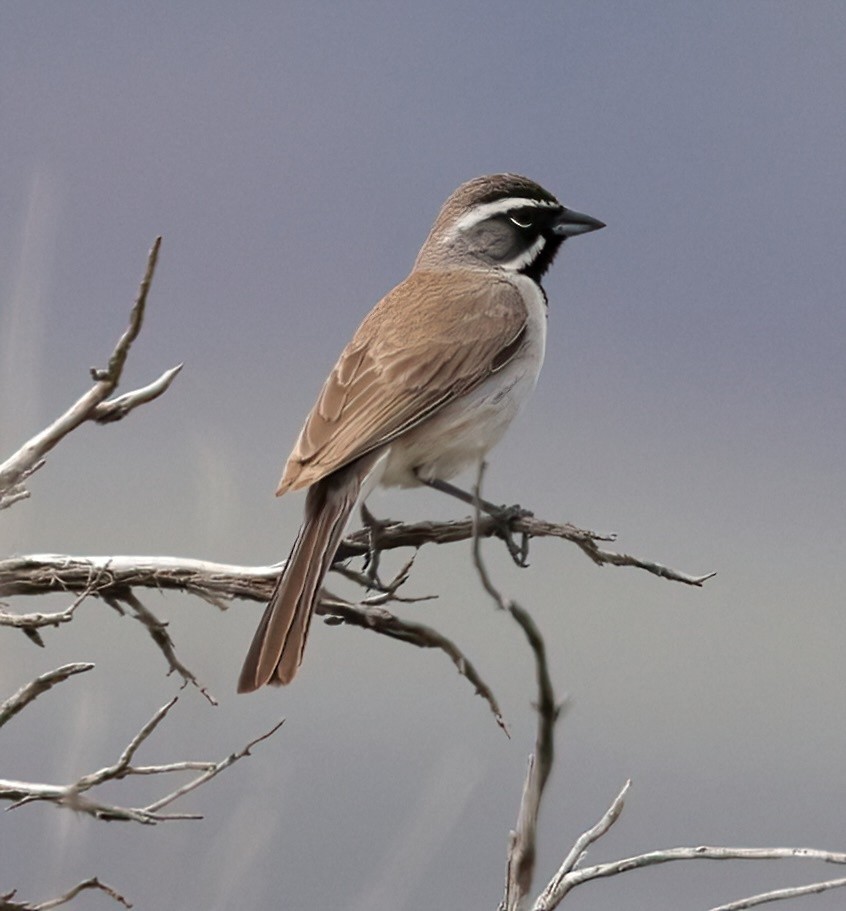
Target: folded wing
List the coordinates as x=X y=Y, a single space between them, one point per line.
x=463 y=328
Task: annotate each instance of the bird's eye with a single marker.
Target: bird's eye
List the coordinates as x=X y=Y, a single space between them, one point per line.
x=521 y=223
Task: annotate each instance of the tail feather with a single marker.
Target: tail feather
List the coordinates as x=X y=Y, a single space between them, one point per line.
x=277 y=647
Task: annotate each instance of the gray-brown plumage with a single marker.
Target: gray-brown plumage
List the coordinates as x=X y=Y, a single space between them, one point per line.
x=427 y=385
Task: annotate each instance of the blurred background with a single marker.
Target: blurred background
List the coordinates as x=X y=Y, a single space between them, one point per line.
x=294 y=156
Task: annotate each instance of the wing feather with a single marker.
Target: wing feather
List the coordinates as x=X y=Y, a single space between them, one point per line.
x=405 y=363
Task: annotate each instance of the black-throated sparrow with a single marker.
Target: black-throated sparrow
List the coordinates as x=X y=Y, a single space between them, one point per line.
x=426 y=387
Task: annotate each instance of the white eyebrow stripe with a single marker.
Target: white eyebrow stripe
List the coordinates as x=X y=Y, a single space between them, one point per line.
x=500 y=207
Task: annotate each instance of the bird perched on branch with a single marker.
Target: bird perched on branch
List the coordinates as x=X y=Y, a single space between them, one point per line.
x=429 y=383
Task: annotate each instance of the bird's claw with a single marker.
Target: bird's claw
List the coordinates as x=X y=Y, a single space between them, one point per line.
x=504 y=517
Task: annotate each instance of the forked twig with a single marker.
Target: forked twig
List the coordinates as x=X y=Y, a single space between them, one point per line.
x=92 y=405
x=7 y=902
x=75 y=795
x=520 y=864
x=32 y=690
x=380 y=620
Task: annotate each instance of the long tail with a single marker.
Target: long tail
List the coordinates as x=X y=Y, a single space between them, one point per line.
x=276 y=651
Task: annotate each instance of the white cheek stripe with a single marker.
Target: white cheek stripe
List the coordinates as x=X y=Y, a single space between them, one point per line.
x=526 y=257
x=479 y=214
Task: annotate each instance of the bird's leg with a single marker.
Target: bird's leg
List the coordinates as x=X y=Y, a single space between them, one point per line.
x=503 y=516
x=374 y=528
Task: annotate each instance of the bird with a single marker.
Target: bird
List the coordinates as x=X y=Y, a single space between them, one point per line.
x=428 y=384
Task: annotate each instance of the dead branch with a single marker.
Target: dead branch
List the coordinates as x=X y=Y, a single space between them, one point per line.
x=158 y=633
x=118 y=408
x=382 y=621
x=217 y=583
x=32 y=622
x=7 y=903
x=101 y=583
x=522 y=840
x=26 y=694
x=763 y=898
x=520 y=864
x=74 y=796
x=113 y=579
x=553 y=894
x=394 y=535
x=93 y=405
x=560 y=886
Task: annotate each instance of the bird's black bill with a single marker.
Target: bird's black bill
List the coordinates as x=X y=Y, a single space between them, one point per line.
x=570 y=223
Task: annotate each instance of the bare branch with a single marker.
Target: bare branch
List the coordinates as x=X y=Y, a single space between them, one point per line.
x=382 y=621
x=113 y=372
x=522 y=841
x=73 y=795
x=780 y=894
x=563 y=881
x=414 y=535
x=158 y=633
x=30 y=624
x=216 y=583
x=99 y=580
x=114 y=577
x=520 y=865
x=6 y=903
x=702 y=852
x=121 y=767
x=555 y=890
x=26 y=694
x=210 y=769
x=92 y=406
x=118 y=408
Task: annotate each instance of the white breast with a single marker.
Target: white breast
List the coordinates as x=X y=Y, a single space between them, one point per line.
x=460 y=435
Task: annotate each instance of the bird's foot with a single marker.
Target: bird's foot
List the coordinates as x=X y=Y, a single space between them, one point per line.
x=504 y=518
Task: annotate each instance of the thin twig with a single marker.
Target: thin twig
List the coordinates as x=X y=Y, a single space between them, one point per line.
x=158 y=633
x=702 y=852
x=753 y=901
x=554 y=891
x=211 y=769
x=380 y=620
x=118 y=408
x=520 y=865
x=33 y=621
x=561 y=885
x=74 y=795
x=92 y=405
x=32 y=690
x=216 y=582
x=30 y=624
x=7 y=904
x=416 y=534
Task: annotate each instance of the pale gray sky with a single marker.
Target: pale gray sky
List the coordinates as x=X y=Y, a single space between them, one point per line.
x=293 y=156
